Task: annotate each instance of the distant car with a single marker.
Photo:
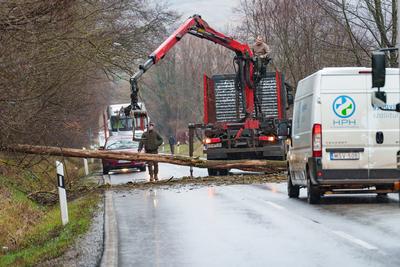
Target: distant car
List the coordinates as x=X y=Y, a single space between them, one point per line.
x=118 y=143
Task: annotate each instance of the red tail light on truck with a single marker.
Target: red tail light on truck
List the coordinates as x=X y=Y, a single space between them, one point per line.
x=212 y=140
x=268 y=138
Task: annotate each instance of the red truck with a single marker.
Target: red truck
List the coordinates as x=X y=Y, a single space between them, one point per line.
x=244 y=113
x=227 y=134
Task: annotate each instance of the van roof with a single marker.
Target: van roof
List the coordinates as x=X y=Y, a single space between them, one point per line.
x=347 y=71
x=352 y=70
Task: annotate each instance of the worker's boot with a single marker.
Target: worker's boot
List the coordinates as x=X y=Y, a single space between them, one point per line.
x=151 y=173
x=156 y=171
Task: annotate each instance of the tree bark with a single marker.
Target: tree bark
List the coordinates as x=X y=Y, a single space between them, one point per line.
x=248 y=165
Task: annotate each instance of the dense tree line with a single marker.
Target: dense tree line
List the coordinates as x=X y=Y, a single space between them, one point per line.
x=58 y=59
x=307 y=35
x=63 y=61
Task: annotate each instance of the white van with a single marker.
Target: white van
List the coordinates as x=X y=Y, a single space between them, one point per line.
x=339 y=141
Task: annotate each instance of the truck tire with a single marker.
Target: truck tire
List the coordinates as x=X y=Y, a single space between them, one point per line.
x=217 y=172
x=313 y=193
x=142 y=169
x=293 y=190
x=212 y=172
x=223 y=172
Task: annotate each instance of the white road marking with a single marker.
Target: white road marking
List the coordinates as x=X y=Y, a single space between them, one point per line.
x=355 y=240
x=110 y=252
x=275 y=205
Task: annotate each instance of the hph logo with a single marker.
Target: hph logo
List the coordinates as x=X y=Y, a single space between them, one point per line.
x=344 y=106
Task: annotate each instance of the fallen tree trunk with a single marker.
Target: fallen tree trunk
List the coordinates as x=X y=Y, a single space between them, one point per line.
x=248 y=165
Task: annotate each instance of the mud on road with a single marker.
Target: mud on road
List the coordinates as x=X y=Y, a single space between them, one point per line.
x=204 y=181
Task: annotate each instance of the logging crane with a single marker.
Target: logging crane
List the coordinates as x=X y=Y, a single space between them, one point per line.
x=255 y=123
x=196 y=26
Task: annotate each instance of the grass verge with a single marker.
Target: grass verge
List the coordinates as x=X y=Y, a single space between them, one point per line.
x=184 y=149
x=46 y=238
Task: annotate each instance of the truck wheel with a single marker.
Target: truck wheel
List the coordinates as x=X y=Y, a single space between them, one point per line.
x=212 y=172
x=223 y=172
x=217 y=172
x=142 y=169
x=105 y=170
x=293 y=190
x=313 y=193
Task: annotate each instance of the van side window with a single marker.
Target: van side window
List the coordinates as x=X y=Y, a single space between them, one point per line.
x=296 y=118
x=302 y=114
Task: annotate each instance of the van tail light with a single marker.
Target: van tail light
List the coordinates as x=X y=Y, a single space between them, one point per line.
x=212 y=140
x=317 y=140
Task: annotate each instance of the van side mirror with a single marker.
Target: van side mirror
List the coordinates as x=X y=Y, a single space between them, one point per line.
x=378 y=69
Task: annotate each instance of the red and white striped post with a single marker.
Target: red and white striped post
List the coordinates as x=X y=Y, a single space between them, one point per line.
x=62 y=193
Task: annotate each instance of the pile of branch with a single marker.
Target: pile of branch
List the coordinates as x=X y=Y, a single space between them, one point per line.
x=248 y=165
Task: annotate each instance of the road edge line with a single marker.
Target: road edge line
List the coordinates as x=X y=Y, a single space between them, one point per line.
x=355 y=240
x=110 y=252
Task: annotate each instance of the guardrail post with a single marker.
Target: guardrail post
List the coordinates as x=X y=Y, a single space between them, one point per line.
x=62 y=193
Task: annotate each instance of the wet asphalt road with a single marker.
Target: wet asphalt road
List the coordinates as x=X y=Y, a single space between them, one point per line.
x=252 y=225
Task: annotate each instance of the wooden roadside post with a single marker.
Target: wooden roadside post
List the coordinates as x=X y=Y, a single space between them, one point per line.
x=62 y=193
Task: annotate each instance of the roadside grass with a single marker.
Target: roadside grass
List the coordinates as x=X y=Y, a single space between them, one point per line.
x=184 y=150
x=47 y=238
x=31 y=233
x=37 y=173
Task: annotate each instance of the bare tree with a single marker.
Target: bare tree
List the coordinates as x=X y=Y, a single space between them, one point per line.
x=57 y=58
x=370 y=24
x=308 y=35
x=173 y=90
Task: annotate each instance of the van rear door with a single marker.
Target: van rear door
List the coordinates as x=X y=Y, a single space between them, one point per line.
x=384 y=130
x=344 y=117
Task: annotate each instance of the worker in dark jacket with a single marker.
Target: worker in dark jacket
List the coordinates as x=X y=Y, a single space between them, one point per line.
x=151 y=140
x=172 y=143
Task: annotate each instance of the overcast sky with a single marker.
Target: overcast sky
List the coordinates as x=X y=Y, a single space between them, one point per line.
x=218 y=13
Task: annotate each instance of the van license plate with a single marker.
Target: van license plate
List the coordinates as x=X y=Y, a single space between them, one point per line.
x=123 y=161
x=345 y=156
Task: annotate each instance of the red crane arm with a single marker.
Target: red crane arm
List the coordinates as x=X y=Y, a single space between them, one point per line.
x=196 y=26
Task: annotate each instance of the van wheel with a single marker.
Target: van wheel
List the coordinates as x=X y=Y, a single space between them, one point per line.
x=105 y=170
x=293 y=190
x=313 y=193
